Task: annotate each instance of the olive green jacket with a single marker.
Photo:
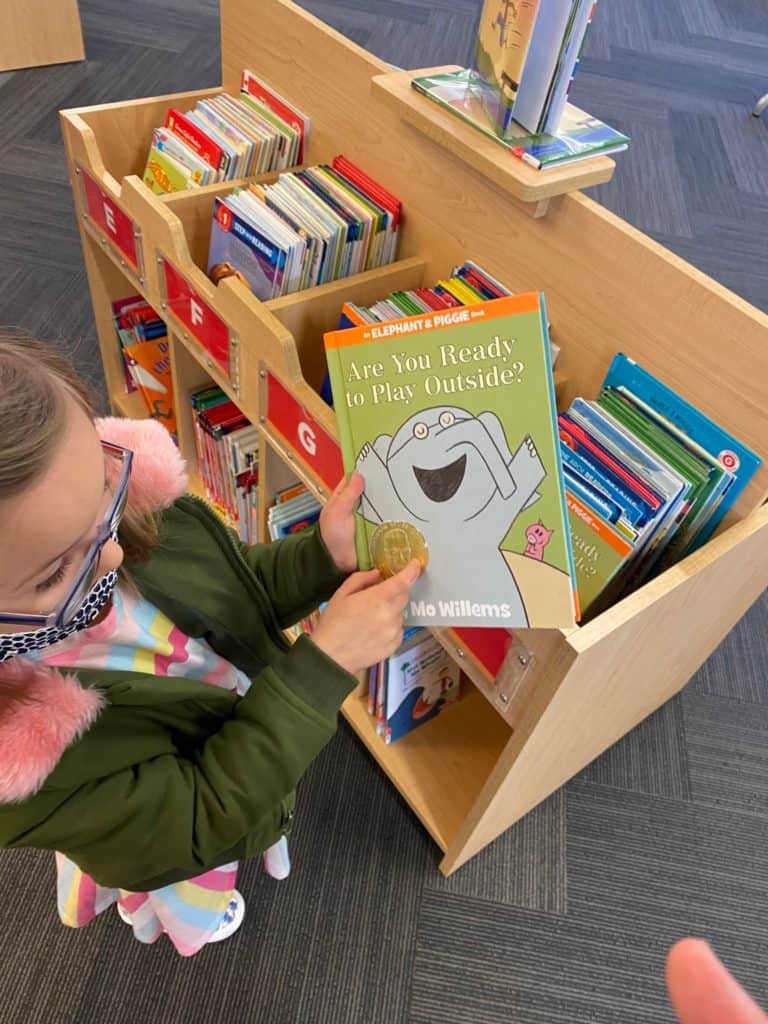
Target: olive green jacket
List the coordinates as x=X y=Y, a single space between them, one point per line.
x=162 y=778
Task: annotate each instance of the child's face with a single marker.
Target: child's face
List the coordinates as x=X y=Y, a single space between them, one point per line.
x=45 y=532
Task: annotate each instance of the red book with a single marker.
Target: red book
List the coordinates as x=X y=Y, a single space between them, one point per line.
x=253 y=86
x=371 y=188
x=195 y=138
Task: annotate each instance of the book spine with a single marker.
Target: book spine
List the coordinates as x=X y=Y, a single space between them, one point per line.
x=346 y=441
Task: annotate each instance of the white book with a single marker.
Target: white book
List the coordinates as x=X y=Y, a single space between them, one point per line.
x=541 y=63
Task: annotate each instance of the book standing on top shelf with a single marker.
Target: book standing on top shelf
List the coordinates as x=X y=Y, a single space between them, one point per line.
x=450 y=418
x=226 y=137
x=527 y=54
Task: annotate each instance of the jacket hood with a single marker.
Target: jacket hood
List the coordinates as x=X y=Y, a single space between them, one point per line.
x=43 y=711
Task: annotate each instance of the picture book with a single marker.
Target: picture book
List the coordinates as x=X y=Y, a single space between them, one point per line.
x=578 y=136
x=421 y=679
x=257 y=89
x=449 y=416
x=144 y=344
x=504 y=36
x=600 y=549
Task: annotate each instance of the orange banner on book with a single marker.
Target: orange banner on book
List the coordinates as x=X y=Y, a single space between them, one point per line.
x=528 y=302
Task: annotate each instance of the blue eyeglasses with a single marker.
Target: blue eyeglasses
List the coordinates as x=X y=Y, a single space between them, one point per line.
x=66 y=610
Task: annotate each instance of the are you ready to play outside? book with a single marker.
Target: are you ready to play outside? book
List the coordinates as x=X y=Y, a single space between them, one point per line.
x=450 y=418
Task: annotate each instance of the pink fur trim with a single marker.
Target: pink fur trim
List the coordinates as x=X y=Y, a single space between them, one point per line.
x=52 y=711
x=159 y=474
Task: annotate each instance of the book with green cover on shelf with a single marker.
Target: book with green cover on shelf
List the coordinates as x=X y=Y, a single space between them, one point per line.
x=578 y=137
x=450 y=418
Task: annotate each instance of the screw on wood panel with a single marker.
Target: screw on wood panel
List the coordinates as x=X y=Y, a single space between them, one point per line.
x=460 y=652
x=142 y=282
x=122 y=262
x=320 y=491
x=504 y=698
x=159 y=260
x=164 y=305
x=262 y=374
x=78 y=171
x=522 y=659
x=262 y=419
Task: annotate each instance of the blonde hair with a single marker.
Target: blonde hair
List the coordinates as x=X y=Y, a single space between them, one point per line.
x=35 y=380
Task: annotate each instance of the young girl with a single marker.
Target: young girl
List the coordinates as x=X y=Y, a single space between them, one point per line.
x=154 y=721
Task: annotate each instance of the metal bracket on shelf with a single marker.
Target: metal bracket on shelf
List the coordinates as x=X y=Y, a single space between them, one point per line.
x=234 y=362
x=517 y=665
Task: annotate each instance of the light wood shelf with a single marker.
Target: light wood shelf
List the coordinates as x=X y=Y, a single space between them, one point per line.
x=484 y=155
x=40 y=32
x=481 y=765
x=440 y=767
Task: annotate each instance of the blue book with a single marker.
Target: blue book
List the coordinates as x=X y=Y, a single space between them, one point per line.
x=728 y=450
x=236 y=242
x=421 y=678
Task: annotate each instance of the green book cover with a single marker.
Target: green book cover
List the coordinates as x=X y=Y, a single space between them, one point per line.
x=163 y=174
x=599 y=551
x=450 y=418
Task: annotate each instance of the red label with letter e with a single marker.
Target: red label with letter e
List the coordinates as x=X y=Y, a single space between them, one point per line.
x=110 y=219
x=303 y=433
x=196 y=315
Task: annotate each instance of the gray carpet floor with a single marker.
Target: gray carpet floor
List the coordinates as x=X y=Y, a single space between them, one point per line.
x=566 y=918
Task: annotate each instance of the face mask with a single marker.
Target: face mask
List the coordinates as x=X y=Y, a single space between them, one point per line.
x=14 y=645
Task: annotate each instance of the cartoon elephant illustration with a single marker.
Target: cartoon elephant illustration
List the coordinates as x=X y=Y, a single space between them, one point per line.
x=454 y=477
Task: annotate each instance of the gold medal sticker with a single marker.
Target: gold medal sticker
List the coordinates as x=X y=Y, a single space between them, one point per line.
x=393 y=545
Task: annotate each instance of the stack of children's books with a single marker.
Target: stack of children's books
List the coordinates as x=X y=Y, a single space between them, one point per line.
x=527 y=53
x=143 y=339
x=467 y=285
x=412 y=686
x=227 y=447
x=227 y=137
x=647 y=479
x=310 y=227
x=295 y=509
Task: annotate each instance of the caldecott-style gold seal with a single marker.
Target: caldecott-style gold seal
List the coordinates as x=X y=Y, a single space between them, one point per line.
x=394 y=545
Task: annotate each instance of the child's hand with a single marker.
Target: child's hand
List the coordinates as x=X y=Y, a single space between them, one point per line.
x=337 y=523
x=363 y=622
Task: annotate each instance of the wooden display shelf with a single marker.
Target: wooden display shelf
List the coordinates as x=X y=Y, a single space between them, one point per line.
x=441 y=767
x=492 y=160
x=544 y=703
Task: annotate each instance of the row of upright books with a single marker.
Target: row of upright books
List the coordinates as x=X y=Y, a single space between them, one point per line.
x=143 y=339
x=227 y=449
x=528 y=52
x=309 y=227
x=225 y=138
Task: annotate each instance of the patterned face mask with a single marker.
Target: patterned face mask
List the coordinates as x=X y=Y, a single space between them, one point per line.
x=14 y=645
